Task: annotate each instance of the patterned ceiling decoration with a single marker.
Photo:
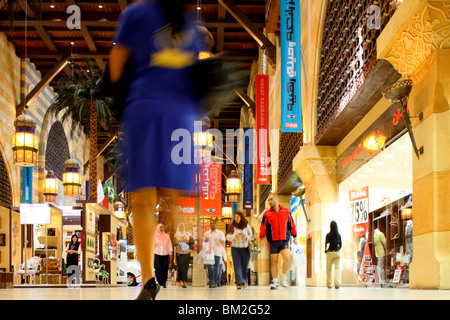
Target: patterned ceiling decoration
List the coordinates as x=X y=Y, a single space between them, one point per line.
x=348 y=53
x=57 y=150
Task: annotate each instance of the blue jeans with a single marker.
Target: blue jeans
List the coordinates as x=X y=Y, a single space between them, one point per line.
x=241 y=257
x=213 y=272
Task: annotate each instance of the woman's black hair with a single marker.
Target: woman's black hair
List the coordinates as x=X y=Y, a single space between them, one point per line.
x=334 y=228
x=174 y=12
x=74 y=235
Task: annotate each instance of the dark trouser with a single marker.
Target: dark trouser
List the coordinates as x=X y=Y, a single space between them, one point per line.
x=213 y=272
x=241 y=257
x=161 y=268
x=183 y=266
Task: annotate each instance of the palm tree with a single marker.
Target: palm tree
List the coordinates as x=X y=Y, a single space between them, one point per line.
x=77 y=100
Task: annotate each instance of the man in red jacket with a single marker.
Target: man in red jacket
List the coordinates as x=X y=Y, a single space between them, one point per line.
x=278 y=226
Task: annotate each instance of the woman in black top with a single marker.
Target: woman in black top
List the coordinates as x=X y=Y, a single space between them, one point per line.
x=73 y=252
x=333 y=245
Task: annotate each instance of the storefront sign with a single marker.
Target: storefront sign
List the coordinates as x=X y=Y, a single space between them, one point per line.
x=262 y=129
x=185 y=206
x=291 y=113
x=374 y=138
x=359 y=210
x=34 y=213
x=248 y=170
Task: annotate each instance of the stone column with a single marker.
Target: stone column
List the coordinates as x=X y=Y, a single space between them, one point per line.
x=316 y=167
x=417 y=43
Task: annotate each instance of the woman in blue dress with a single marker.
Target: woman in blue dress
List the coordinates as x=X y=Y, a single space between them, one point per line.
x=162 y=43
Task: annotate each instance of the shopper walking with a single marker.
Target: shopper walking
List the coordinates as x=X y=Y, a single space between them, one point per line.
x=239 y=233
x=163 y=254
x=183 y=253
x=217 y=239
x=160 y=42
x=333 y=245
x=278 y=226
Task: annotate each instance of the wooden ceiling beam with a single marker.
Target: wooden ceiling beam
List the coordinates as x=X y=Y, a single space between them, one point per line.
x=41 y=85
x=46 y=38
x=248 y=25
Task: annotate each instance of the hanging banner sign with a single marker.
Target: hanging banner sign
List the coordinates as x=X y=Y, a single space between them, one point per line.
x=248 y=170
x=262 y=129
x=367 y=271
x=211 y=189
x=291 y=110
x=27 y=184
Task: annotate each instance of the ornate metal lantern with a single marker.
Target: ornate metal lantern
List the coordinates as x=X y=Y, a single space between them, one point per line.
x=50 y=186
x=234 y=187
x=72 y=178
x=25 y=142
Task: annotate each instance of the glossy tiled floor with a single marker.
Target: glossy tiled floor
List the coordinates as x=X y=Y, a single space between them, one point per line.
x=225 y=293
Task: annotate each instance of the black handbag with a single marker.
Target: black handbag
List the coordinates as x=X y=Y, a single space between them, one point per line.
x=215 y=80
x=191 y=243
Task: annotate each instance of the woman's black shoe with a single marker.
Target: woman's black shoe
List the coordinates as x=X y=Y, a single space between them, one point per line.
x=149 y=291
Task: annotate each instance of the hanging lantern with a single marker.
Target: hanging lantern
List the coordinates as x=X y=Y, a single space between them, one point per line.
x=71 y=178
x=203 y=140
x=227 y=211
x=234 y=187
x=119 y=209
x=50 y=187
x=24 y=142
x=207 y=43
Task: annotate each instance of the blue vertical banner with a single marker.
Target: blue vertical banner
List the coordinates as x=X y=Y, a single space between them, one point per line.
x=291 y=110
x=248 y=169
x=27 y=184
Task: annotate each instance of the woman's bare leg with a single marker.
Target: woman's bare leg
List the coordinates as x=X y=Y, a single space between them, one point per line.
x=144 y=224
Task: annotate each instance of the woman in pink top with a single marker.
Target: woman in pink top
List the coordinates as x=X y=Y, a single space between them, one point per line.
x=163 y=253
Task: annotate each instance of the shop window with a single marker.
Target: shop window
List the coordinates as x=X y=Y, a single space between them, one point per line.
x=57 y=150
x=389 y=221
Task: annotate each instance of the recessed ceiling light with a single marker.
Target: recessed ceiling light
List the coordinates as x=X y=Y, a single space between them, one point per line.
x=100 y=6
x=52 y=6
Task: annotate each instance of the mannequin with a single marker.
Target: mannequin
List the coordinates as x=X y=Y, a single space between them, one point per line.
x=380 y=252
x=409 y=239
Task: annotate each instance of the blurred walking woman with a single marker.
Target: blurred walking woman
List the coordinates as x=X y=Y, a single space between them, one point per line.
x=239 y=233
x=161 y=42
x=333 y=245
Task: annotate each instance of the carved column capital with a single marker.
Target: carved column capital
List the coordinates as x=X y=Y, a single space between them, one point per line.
x=415 y=31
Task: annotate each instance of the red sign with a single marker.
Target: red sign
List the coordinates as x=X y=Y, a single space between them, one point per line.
x=262 y=129
x=367 y=271
x=211 y=189
x=185 y=206
x=210 y=194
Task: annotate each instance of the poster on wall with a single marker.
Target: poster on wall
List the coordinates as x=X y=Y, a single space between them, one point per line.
x=291 y=111
x=359 y=210
x=262 y=129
